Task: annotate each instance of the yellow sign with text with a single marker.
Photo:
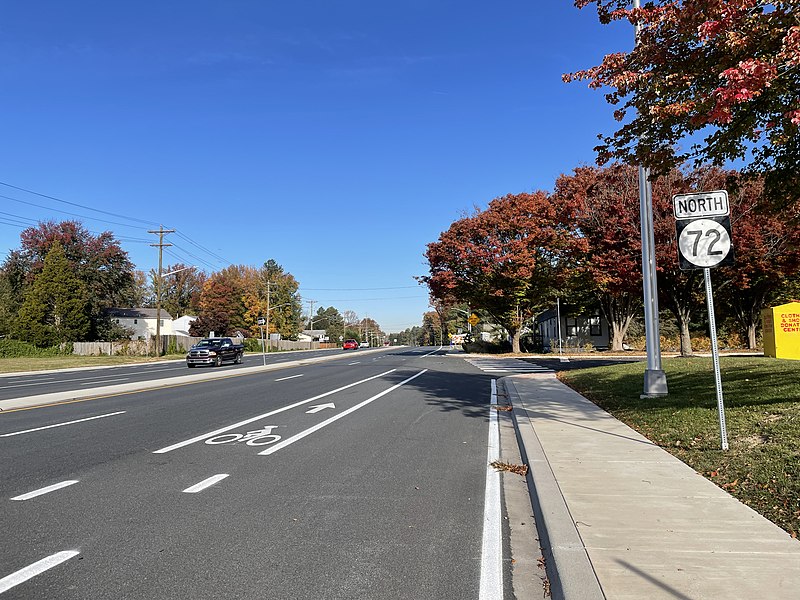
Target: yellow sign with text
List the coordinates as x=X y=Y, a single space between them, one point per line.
x=473 y=319
x=781 y=326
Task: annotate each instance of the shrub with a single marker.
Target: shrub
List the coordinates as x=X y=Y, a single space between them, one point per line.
x=17 y=349
x=481 y=347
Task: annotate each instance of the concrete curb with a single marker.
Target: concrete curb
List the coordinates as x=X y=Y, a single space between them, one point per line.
x=569 y=569
x=127 y=388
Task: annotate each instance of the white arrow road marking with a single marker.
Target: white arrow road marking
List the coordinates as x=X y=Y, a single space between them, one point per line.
x=290 y=377
x=9 y=581
x=45 y=490
x=319 y=407
x=265 y=415
x=309 y=431
x=206 y=483
x=62 y=424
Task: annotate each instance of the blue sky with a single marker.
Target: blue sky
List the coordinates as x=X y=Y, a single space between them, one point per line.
x=338 y=138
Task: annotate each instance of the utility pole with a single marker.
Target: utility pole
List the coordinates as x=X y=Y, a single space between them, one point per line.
x=655 y=380
x=160 y=245
x=269 y=341
x=311 y=314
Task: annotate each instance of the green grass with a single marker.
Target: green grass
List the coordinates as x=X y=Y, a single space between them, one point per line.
x=44 y=363
x=762 y=410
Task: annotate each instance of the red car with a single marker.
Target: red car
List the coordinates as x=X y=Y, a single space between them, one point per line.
x=350 y=345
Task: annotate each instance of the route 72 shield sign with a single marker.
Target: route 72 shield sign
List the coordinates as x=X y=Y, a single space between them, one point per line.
x=703 y=228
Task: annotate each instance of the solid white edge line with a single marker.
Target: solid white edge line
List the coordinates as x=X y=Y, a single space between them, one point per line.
x=45 y=490
x=492 y=548
x=265 y=415
x=290 y=377
x=199 y=487
x=40 y=566
x=62 y=424
x=318 y=426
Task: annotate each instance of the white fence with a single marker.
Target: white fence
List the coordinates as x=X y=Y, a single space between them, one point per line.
x=180 y=342
x=133 y=347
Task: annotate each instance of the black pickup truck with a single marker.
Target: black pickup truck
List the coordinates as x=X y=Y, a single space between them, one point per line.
x=214 y=351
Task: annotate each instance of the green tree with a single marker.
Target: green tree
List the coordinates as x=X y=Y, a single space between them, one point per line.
x=55 y=308
x=97 y=260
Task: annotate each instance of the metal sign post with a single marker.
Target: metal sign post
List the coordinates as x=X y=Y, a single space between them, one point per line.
x=261 y=322
x=712 y=325
x=703 y=231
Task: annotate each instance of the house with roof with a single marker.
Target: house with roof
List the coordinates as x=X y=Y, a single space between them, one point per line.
x=142 y=321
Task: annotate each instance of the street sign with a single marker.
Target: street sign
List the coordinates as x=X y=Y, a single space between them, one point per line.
x=703 y=227
x=262 y=321
x=473 y=319
x=704 y=243
x=701 y=205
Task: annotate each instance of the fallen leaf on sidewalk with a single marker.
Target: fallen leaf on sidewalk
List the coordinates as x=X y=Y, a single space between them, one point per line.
x=503 y=407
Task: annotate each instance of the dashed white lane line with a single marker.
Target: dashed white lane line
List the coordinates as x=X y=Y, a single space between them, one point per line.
x=40 y=566
x=45 y=490
x=344 y=413
x=104 y=381
x=290 y=377
x=206 y=483
x=491 y=585
x=358 y=362
x=62 y=424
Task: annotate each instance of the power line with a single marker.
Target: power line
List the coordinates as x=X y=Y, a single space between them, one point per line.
x=402 y=287
x=76 y=204
x=69 y=213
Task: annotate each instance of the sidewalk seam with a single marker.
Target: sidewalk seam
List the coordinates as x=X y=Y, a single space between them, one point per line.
x=568 y=566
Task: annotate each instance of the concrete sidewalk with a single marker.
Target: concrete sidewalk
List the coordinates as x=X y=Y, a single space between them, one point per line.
x=620 y=517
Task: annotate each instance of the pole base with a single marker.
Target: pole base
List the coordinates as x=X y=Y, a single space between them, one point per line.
x=655 y=384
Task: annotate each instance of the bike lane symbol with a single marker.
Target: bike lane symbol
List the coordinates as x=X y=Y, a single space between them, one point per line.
x=258 y=437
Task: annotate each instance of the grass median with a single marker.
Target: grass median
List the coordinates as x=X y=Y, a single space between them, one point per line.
x=762 y=410
x=46 y=363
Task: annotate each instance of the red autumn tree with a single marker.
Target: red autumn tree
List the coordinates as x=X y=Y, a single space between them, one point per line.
x=723 y=69
x=766 y=246
x=511 y=260
x=608 y=219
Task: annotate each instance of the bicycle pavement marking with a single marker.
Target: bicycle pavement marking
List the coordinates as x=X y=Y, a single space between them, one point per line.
x=204 y=436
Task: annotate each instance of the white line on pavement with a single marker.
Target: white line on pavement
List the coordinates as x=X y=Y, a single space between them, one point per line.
x=290 y=377
x=45 y=490
x=9 y=581
x=106 y=381
x=358 y=362
x=95 y=377
x=311 y=430
x=492 y=549
x=62 y=424
x=265 y=415
x=199 y=487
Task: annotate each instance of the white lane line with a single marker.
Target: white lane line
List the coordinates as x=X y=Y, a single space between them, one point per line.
x=45 y=490
x=265 y=415
x=290 y=377
x=492 y=548
x=40 y=566
x=104 y=381
x=62 y=424
x=95 y=377
x=310 y=430
x=434 y=352
x=206 y=483
x=358 y=362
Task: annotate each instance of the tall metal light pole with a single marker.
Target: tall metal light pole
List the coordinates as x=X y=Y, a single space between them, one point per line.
x=655 y=381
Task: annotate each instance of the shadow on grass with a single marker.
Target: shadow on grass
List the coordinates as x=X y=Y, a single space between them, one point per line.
x=746 y=381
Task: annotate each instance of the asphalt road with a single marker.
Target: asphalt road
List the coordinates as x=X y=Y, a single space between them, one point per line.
x=365 y=479
x=15 y=386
